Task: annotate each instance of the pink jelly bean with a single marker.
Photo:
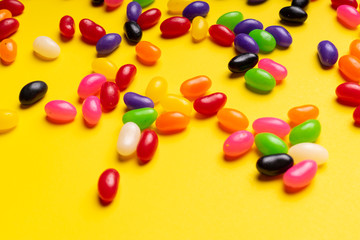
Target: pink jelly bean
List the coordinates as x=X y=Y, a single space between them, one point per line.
x=277 y=70
x=90 y=85
x=348 y=16
x=300 y=175
x=113 y=3
x=91 y=110
x=238 y=143
x=271 y=125
x=60 y=111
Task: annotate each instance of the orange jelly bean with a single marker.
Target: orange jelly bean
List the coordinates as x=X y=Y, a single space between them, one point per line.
x=355 y=48
x=350 y=66
x=8 y=50
x=171 y=122
x=303 y=113
x=4 y=13
x=231 y=120
x=195 y=87
x=147 y=52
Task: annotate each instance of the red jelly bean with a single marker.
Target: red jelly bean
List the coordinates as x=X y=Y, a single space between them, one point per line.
x=356 y=116
x=336 y=3
x=125 y=76
x=108 y=185
x=91 y=31
x=109 y=95
x=348 y=93
x=149 y=18
x=222 y=35
x=210 y=104
x=67 y=26
x=147 y=145
x=175 y=27
x=14 y=6
x=8 y=27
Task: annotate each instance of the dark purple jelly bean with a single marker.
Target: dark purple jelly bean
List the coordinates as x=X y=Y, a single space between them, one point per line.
x=108 y=43
x=328 y=53
x=133 y=11
x=243 y=62
x=300 y=3
x=244 y=43
x=247 y=26
x=281 y=35
x=135 y=101
x=293 y=14
x=194 y=9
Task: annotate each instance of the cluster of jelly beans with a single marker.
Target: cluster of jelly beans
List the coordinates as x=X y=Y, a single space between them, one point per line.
x=347 y=13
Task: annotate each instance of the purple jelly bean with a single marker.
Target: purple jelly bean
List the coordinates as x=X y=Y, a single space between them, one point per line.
x=247 y=26
x=135 y=101
x=328 y=53
x=133 y=11
x=194 y=9
x=281 y=35
x=244 y=43
x=108 y=43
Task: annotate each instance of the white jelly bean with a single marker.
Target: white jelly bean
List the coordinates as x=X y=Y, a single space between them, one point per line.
x=313 y=151
x=46 y=47
x=128 y=140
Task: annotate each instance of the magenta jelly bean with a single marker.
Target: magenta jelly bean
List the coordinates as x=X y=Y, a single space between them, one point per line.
x=244 y=44
x=91 y=110
x=91 y=85
x=133 y=11
x=247 y=25
x=277 y=70
x=59 y=111
x=109 y=95
x=348 y=16
x=300 y=175
x=238 y=143
x=271 y=125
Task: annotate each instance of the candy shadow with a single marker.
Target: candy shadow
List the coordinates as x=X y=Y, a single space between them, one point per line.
x=122 y=158
x=89 y=125
x=202 y=116
x=7 y=130
x=250 y=3
x=87 y=41
x=101 y=55
x=45 y=59
x=197 y=41
x=141 y=163
x=65 y=39
x=225 y=129
x=356 y=125
x=218 y=44
x=111 y=9
x=256 y=90
x=169 y=132
x=103 y=203
x=130 y=42
x=236 y=75
x=264 y=178
x=234 y=158
x=290 y=24
x=57 y=122
x=281 y=48
x=6 y=63
x=291 y=190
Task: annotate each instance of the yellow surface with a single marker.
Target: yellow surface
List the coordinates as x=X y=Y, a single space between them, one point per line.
x=49 y=173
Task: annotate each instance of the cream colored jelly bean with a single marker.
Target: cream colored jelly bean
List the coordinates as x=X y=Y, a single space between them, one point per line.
x=313 y=151
x=156 y=89
x=46 y=47
x=174 y=103
x=105 y=67
x=8 y=120
x=128 y=140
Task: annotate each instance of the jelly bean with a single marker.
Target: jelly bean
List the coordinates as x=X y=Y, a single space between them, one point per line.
x=8 y=120
x=67 y=26
x=128 y=140
x=281 y=35
x=156 y=89
x=32 y=92
x=8 y=27
x=350 y=66
x=356 y=116
x=109 y=95
x=265 y=40
x=269 y=144
x=175 y=27
x=271 y=125
x=247 y=25
x=59 y=111
x=90 y=85
x=171 y=122
x=46 y=48
x=133 y=11
x=91 y=31
x=199 y=29
x=238 y=144
x=8 y=50
x=108 y=185
x=293 y=14
x=244 y=43
x=230 y=19
x=336 y=3
x=97 y=2
x=91 y=110
x=125 y=76
x=300 y=175
x=313 y=151
x=147 y=146
x=105 y=67
x=15 y=7
x=273 y=165
x=348 y=16
x=194 y=9
x=134 y=101
x=300 y=3
x=355 y=48
x=173 y=103
x=144 y=3
x=302 y=113
x=4 y=13
x=348 y=93
x=221 y=35
x=210 y=104
x=177 y=6
x=232 y=120
x=108 y=43
x=255 y=2
x=143 y=117
x=307 y=131
x=243 y=62
x=149 y=18
x=147 y=52
x=328 y=53
x=259 y=80
x=195 y=87
x=133 y=32
x=113 y=3
x=277 y=70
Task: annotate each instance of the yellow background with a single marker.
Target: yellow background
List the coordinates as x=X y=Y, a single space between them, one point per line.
x=49 y=173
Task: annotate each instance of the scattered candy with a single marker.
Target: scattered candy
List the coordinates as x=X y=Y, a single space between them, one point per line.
x=348 y=16
x=271 y=125
x=143 y=117
x=221 y=35
x=147 y=145
x=59 y=111
x=90 y=85
x=300 y=175
x=91 y=110
x=282 y=36
x=277 y=70
x=273 y=165
x=128 y=140
x=293 y=14
x=210 y=104
x=199 y=29
x=109 y=95
x=133 y=11
x=195 y=87
x=8 y=27
x=8 y=120
x=307 y=131
x=173 y=103
x=265 y=40
x=125 y=75
x=302 y=113
x=348 y=94
x=350 y=66
x=177 y=6
x=269 y=144
x=174 y=27
x=247 y=25
x=156 y=89
x=147 y=52
x=8 y=50
x=105 y=67
x=134 y=101
x=232 y=120
x=243 y=62
x=32 y=92
x=149 y=18
x=91 y=31
x=230 y=19
x=171 y=122
x=67 y=26
x=108 y=185
x=238 y=143
x=244 y=44
x=259 y=80
x=46 y=48
x=15 y=7
x=133 y=32
x=194 y=9
x=108 y=43
x=313 y=151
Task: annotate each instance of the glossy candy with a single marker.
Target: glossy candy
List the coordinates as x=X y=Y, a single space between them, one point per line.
x=4 y=13
x=108 y=185
x=282 y=36
x=8 y=27
x=143 y=117
x=46 y=48
x=90 y=85
x=175 y=27
x=265 y=40
x=196 y=8
x=243 y=62
x=133 y=11
x=307 y=131
x=293 y=14
x=147 y=145
x=177 y=6
x=133 y=32
x=336 y=3
x=302 y=113
x=67 y=26
x=32 y=92
x=238 y=143
x=128 y=139
x=156 y=89
x=247 y=25
x=355 y=48
x=328 y=53
x=269 y=144
x=232 y=120
x=259 y=80
x=195 y=87
x=244 y=43
x=125 y=75
x=134 y=101
x=278 y=71
x=15 y=7
x=59 y=111
x=271 y=125
x=348 y=16
x=199 y=29
x=348 y=94
x=356 y=116
x=91 y=110
x=300 y=175
x=147 y=52
x=300 y=3
x=8 y=120
x=350 y=66
x=230 y=19
x=144 y=3
x=210 y=104
x=174 y=103
x=105 y=67
x=313 y=151
x=91 y=31
x=8 y=50
x=109 y=95
x=149 y=18
x=108 y=43
x=273 y=165
x=171 y=122
x=221 y=35
x=113 y=3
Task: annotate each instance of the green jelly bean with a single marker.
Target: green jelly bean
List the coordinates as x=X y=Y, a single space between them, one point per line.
x=308 y=131
x=260 y=79
x=143 y=117
x=144 y=3
x=269 y=144
x=264 y=39
x=230 y=19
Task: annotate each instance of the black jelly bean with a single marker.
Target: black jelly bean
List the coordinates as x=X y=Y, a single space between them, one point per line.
x=273 y=165
x=32 y=92
x=97 y=2
x=243 y=62
x=300 y=3
x=133 y=31
x=293 y=14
